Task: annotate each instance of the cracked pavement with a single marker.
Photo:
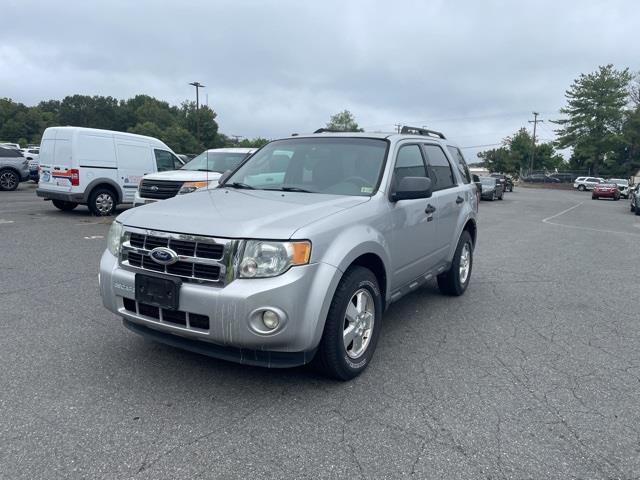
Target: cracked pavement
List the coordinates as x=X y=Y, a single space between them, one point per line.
x=533 y=373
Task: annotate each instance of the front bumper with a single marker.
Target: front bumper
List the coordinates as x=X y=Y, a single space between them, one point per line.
x=138 y=200
x=303 y=294
x=606 y=194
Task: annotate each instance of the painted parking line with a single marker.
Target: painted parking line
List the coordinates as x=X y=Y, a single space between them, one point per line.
x=93 y=237
x=577 y=227
x=2 y=221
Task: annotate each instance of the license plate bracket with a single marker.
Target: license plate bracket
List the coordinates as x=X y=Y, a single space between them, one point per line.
x=156 y=291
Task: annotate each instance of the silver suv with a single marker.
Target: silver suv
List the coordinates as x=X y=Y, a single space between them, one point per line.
x=14 y=168
x=299 y=251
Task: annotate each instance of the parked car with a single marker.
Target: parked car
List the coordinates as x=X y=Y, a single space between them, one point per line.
x=97 y=168
x=564 y=177
x=587 y=183
x=505 y=180
x=622 y=184
x=15 y=146
x=201 y=172
x=491 y=188
x=14 y=168
x=297 y=253
x=605 y=190
x=539 y=178
x=634 y=195
x=478 y=183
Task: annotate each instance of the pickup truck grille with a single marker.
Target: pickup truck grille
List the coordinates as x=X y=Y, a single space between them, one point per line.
x=200 y=259
x=158 y=189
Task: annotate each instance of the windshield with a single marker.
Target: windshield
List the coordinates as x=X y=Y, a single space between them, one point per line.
x=340 y=166
x=215 y=161
x=618 y=181
x=488 y=180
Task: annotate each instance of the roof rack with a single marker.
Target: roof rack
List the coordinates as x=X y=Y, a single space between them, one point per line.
x=422 y=131
x=328 y=130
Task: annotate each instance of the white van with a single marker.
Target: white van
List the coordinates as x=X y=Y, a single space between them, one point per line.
x=97 y=168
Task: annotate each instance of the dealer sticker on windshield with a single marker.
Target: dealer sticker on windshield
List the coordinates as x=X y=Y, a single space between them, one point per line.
x=366 y=190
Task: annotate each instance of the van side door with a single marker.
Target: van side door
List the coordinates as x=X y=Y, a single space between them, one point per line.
x=135 y=159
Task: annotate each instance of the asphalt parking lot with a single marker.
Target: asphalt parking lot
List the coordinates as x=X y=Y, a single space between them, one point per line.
x=533 y=373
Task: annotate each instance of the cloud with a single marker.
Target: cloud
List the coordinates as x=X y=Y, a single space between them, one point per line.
x=472 y=69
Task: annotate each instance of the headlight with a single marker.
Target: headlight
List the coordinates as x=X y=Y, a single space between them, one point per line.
x=262 y=258
x=114 y=238
x=188 y=187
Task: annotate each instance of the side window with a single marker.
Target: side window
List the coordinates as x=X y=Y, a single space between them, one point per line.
x=442 y=175
x=456 y=154
x=165 y=160
x=409 y=163
x=178 y=164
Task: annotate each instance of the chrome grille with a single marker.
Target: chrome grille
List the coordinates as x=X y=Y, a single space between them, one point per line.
x=200 y=259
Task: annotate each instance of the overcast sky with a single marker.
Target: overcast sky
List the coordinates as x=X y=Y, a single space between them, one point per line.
x=473 y=69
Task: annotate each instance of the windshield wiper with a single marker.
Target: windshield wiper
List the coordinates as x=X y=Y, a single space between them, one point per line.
x=286 y=188
x=239 y=185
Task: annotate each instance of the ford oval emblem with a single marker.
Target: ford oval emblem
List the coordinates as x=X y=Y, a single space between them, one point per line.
x=163 y=256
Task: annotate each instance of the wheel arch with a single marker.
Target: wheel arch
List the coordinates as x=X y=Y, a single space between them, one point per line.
x=104 y=183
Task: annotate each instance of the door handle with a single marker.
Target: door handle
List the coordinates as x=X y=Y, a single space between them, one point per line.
x=459 y=200
x=430 y=209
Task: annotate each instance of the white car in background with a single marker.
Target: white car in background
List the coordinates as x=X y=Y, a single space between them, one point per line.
x=623 y=186
x=587 y=183
x=201 y=172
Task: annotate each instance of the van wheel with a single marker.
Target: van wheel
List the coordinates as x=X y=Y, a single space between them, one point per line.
x=454 y=281
x=353 y=326
x=8 y=180
x=64 y=206
x=102 y=202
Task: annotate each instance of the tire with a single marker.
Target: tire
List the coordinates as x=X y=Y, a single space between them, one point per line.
x=616 y=199
x=501 y=196
x=334 y=358
x=593 y=197
x=9 y=180
x=102 y=202
x=637 y=211
x=632 y=208
x=493 y=196
x=450 y=282
x=582 y=188
x=64 y=206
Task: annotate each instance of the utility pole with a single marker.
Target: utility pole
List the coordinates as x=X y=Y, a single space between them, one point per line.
x=535 y=122
x=398 y=126
x=198 y=86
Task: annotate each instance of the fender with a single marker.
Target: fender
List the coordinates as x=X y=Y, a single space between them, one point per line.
x=459 y=228
x=98 y=181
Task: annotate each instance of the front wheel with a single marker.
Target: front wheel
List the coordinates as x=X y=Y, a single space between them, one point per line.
x=582 y=188
x=9 y=180
x=353 y=325
x=593 y=197
x=64 y=206
x=455 y=281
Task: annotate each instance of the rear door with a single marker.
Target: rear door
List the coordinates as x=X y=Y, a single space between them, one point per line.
x=450 y=196
x=57 y=173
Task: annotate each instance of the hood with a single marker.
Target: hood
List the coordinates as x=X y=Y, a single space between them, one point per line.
x=184 y=176
x=232 y=213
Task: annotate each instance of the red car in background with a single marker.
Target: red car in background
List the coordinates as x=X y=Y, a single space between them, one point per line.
x=605 y=190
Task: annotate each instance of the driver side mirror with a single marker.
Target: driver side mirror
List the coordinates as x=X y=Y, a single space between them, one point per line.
x=412 y=188
x=224 y=176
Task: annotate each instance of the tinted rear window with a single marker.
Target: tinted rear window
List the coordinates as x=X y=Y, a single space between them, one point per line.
x=9 y=153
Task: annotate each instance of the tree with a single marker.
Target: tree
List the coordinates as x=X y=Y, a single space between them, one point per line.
x=515 y=153
x=344 y=122
x=595 y=112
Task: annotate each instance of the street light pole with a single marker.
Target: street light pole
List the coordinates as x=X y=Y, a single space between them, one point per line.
x=198 y=86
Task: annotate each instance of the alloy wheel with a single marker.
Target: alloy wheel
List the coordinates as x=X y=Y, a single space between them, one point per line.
x=358 y=323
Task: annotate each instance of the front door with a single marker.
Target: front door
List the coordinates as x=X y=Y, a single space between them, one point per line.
x=414 y=226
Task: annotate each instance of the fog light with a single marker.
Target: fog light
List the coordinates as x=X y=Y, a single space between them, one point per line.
x=270 y=319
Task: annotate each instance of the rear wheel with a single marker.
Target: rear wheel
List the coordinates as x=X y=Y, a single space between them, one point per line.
x=9 y=180
x=353 y=325
x=102 y=202
x=454 y=281
x=64 y=206
x=637 y=210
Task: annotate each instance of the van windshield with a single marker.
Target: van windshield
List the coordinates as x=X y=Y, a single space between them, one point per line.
x=215 y=161
x=339 y=166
